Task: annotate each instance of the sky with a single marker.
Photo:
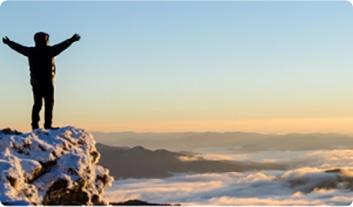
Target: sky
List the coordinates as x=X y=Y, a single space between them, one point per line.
x=273 y=67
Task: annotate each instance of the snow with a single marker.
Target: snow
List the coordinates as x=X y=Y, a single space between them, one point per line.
x=51 y=167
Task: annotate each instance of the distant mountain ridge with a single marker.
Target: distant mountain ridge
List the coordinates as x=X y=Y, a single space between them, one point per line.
x=139 y=162
x=234 y=141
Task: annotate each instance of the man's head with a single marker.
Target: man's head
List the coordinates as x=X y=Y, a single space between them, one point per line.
x=41 y=39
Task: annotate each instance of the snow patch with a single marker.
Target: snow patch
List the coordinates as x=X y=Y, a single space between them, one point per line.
x=51 y=167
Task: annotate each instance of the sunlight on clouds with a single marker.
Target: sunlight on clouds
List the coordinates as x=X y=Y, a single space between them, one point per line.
x=321 y=159
x=176 y=188
x=260 y=201
x=214 y=156
x=208 y=156
x=307 y=184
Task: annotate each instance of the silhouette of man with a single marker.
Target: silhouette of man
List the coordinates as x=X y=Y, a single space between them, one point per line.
x=42 y=69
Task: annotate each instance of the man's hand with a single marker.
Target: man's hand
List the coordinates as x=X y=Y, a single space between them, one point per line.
x=6 y=40
x=75 y=37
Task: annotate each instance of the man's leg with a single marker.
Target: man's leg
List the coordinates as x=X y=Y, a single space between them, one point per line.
x=37 y=97
x=49 y=104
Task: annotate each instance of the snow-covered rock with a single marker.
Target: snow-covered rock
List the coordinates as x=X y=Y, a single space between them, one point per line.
x=51 y=167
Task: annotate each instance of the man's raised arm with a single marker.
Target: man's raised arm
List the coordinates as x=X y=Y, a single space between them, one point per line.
x=15 y=46
x=57 y=49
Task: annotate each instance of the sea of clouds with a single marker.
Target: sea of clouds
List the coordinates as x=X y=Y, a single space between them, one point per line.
x=317 y=177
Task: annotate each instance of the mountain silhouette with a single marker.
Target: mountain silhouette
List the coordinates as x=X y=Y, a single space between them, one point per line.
x=139 y=162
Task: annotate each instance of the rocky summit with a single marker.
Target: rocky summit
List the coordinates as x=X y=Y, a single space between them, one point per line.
x=51 y=167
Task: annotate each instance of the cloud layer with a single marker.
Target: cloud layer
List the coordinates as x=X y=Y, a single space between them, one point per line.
x=315 y=178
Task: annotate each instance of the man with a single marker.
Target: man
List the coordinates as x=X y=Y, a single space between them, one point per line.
x=42 y=69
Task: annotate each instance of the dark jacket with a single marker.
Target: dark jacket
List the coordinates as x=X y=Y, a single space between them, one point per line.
x=41 y=60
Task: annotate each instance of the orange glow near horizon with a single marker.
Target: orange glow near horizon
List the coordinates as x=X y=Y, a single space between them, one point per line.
x=270 y=125
x=276 y=125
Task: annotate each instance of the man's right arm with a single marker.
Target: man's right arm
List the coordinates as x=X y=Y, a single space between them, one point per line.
x=15 y=46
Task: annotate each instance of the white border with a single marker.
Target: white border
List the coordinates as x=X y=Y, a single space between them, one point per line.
x=350 y=1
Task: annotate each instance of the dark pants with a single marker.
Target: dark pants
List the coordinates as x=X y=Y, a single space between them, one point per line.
x=40 y=92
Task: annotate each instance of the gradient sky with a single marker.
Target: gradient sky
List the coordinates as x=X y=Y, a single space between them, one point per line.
x=187 y=66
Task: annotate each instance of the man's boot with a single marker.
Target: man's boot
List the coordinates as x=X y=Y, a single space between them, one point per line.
x=49 y=126
x=35 y=126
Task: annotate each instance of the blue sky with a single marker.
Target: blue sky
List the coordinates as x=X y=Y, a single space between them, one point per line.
x=140 y=64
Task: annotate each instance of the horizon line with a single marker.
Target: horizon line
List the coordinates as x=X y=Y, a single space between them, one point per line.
x=222 y=132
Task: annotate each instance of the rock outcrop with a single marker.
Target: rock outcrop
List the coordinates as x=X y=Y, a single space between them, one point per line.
x=51 y=167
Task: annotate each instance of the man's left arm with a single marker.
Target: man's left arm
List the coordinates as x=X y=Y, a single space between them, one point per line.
x=58 y=48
